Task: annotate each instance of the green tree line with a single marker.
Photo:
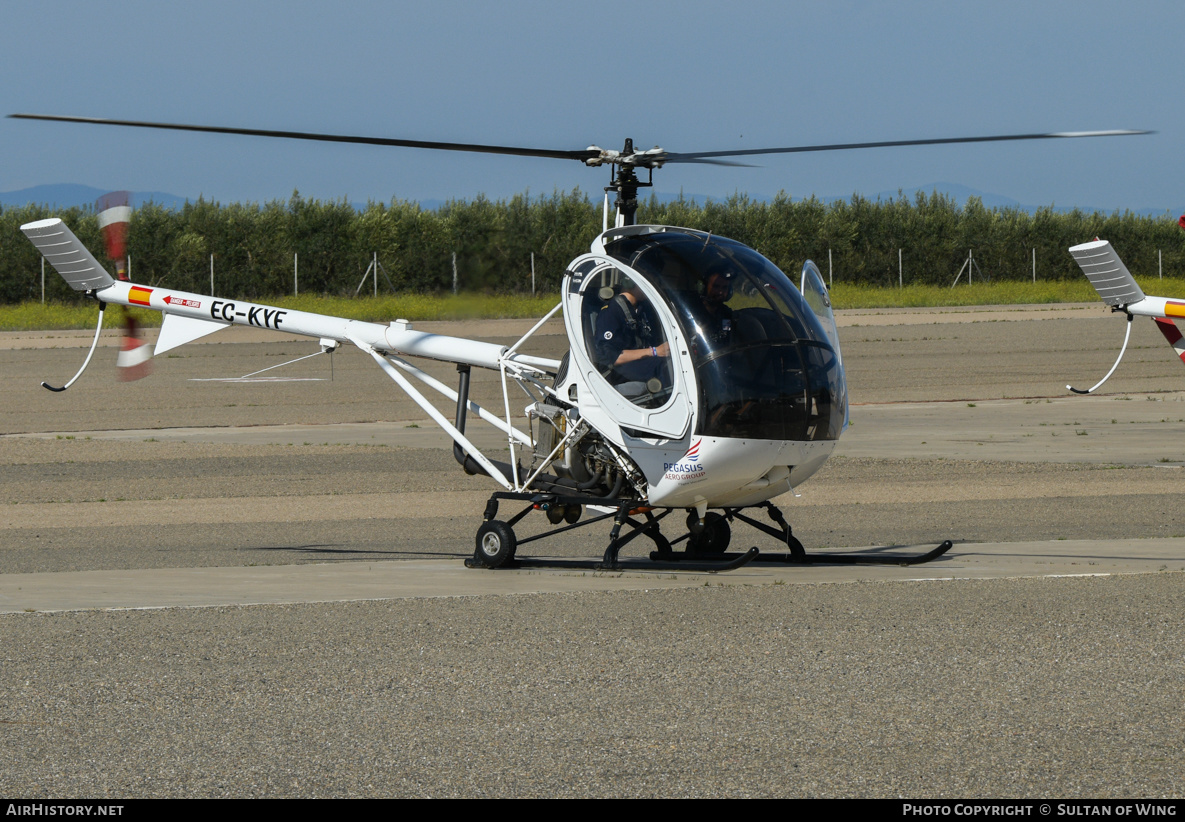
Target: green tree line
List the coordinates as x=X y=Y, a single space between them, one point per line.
x=253 y=245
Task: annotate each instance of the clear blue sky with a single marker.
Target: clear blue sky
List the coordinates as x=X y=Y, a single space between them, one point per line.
x=689 y=76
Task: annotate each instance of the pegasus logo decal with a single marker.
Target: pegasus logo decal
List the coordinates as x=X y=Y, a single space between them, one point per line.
x=688 y=467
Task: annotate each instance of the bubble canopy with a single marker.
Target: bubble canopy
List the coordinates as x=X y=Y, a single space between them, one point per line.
x=765 y=366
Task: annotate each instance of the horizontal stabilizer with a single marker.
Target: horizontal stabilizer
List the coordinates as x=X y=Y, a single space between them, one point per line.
x=67 y=254
x=1107 y=273
x=176 y=331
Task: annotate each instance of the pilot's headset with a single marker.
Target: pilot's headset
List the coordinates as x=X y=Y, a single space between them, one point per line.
x=616 y=289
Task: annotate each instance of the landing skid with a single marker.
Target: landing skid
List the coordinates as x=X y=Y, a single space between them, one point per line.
x=717 y=565
x=707 y=541
x=843 y=559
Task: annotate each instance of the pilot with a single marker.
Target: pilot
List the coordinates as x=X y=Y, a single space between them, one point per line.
x=627 y=342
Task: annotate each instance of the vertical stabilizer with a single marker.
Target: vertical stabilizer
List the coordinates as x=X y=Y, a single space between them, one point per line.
x=67 y=254
x=1107 y=273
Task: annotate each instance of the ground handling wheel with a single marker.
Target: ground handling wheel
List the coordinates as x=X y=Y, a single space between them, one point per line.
x=712 y=538
x=495 y=544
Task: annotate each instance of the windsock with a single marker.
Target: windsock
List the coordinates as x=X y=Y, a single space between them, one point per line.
x=134 y=358
x=115 y=212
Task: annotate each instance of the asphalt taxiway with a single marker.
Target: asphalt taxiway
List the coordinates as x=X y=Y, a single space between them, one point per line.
x=262 y=584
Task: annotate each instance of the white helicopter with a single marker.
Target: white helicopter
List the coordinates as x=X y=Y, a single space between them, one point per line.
x=699 y=377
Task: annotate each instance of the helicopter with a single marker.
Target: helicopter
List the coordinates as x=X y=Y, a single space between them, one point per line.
x=699 y=380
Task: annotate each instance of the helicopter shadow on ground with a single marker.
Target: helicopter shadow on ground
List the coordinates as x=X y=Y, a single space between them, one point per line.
x=820 y=554
x=342 y=553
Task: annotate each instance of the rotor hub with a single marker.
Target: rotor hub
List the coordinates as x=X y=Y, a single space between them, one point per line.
x=628 y=156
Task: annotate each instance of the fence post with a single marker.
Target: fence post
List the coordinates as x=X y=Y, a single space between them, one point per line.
x=830 y=279
x=900 y=273
x=211 y=275
x=1034 y=266
x=454 y=273
x=43 y=280
x=295 y=275
x=532 y=273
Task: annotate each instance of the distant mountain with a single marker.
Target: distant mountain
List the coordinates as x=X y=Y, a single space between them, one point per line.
x=67 y=195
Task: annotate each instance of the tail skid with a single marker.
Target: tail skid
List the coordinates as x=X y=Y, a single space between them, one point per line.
x=1127 y=336
x=89 y=354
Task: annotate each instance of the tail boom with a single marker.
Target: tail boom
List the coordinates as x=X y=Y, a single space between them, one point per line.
x=204 y=314
x=1157 y=307
x=214 y=312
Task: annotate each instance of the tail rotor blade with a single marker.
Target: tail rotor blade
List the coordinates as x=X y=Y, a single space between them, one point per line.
x=115 y=214
x=135 y=356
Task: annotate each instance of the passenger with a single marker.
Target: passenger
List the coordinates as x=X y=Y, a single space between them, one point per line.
x=715 y=319
x=628 y=344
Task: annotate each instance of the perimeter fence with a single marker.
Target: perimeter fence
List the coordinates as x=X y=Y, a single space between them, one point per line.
x=326 y=247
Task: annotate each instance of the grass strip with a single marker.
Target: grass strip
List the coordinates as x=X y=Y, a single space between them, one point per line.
x=80 y=314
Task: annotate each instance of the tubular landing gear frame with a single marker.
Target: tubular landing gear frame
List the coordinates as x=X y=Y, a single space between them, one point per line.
x=706 y=548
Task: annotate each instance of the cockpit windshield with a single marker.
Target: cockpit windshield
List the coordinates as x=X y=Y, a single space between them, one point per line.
x=766 y=368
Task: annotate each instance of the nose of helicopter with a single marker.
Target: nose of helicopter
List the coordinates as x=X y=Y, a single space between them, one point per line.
x=724 y=471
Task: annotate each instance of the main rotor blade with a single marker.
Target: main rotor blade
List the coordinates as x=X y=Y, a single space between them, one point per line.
x=581 y=155
x=710 y=162
x=588 y=155
x=698 y=156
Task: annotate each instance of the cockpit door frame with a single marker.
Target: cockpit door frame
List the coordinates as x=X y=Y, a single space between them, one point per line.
x=815 y=292
x=671 y=420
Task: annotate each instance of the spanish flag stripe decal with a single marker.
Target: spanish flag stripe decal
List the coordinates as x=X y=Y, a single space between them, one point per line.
x=139 y=296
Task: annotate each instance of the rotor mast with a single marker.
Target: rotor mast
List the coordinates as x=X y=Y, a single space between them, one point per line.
x=626 y=184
